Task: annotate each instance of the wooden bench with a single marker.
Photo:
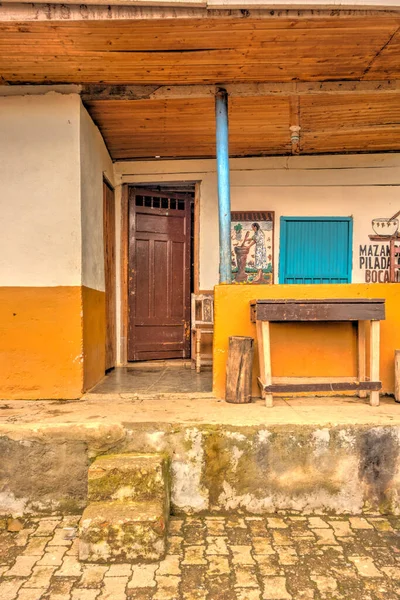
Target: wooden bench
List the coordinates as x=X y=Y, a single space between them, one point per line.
x=359 y=310
x=202 y=323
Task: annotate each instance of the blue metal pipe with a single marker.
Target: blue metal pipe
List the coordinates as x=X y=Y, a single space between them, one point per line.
x=224 y=194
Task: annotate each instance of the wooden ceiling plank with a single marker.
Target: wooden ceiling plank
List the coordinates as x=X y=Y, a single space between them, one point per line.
x=198 y=51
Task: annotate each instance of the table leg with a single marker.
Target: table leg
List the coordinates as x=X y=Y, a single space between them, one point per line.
x=361 y=367
x=193 y=349
x=260 y=354
x=198 y=350
x=264 y=355
x=374 y=359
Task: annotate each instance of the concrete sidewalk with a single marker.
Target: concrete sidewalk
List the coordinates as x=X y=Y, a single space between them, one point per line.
x=192 y=408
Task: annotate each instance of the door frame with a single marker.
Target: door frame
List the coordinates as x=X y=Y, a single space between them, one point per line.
x=110 y=278
x=124 y=249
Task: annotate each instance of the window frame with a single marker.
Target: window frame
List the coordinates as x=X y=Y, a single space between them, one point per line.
x=282 y=244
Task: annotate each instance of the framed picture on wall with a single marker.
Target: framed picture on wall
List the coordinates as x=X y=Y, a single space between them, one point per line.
x=252 y=247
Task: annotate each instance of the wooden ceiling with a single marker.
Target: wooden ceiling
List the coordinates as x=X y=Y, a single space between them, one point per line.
x=220 y=51
x=189 y=51
x=258 y=126
x=350 y=123
x=186 y=127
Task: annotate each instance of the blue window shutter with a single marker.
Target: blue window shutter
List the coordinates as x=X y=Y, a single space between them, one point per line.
x=315 y=250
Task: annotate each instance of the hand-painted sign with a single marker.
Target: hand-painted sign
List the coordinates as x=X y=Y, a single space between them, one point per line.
x=374 y=260
x=385 y=229
x=252 y=243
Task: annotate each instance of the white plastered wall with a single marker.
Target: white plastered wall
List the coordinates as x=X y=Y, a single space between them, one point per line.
x=95 y=163
x=360 y=186
x=52 y=162
x=40 y=236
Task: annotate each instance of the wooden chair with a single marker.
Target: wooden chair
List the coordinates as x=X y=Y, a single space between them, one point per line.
x=202 y=323
x=394 y=261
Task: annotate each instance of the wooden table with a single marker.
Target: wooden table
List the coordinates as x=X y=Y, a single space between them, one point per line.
x=263 y=312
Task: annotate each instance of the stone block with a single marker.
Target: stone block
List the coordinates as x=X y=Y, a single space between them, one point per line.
x=132 y=477
x=53 y=477
x=14 y=525
x=114 y=532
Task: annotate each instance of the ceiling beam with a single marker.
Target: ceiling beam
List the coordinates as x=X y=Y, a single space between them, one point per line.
x=95 y=10
x=97 y=92
x=232 y=5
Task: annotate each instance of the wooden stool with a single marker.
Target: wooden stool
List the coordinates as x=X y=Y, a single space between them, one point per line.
x=202 y=324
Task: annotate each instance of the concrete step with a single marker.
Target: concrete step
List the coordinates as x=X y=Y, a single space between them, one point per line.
x=139 y=477
x=128 y=511
x=127 y=531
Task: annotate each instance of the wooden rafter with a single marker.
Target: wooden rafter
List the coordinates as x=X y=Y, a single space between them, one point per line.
x=98 y=92
x=223 y=5
x=93 y=10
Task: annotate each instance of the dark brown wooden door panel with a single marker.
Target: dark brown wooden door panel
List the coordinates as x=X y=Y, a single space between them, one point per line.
x=159 y=275
x=170 y=226
x=169 y=335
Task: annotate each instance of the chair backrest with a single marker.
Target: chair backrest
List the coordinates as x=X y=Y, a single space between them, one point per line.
x=394 y=261
x=202 y=309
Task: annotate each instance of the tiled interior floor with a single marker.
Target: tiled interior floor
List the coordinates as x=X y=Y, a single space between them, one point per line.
x=277 y=557
x=157 y=378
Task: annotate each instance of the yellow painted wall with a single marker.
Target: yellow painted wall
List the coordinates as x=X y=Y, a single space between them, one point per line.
x=304 y=349
x=40 y=342
x=52 y=341
x=94 y=335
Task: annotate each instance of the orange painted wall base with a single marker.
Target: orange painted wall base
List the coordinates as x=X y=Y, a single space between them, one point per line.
x=47 y=349
x=40 y=342
x=94 y=335
x=304 y=349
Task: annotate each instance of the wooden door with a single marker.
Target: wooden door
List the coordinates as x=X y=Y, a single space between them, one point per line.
x=109 y=273
x=159 y=275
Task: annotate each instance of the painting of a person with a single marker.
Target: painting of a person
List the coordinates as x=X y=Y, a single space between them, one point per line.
x=260 y=253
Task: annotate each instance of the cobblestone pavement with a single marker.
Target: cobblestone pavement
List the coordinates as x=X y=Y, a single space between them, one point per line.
x=281 y=557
